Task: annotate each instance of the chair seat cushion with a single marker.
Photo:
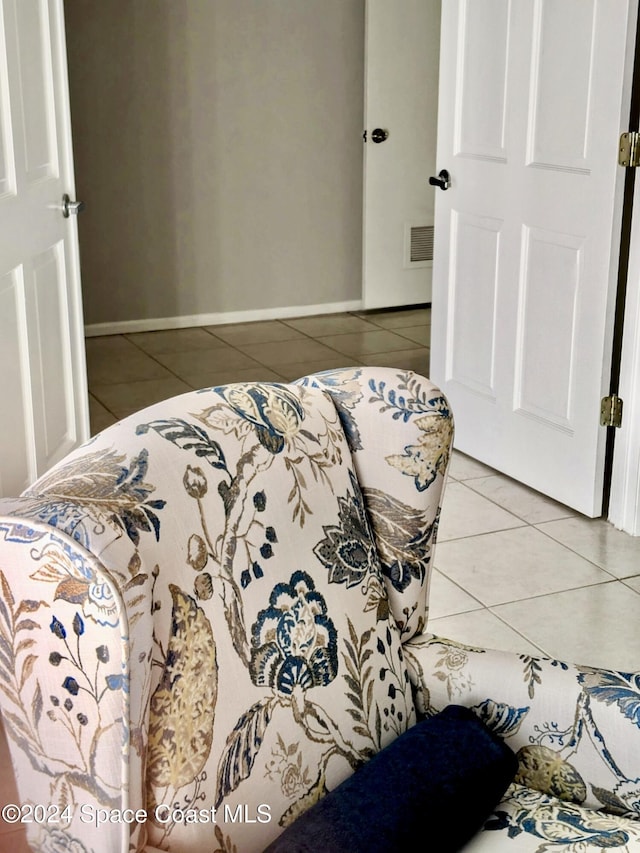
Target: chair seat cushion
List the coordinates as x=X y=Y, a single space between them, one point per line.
x=449 y=771
x=527 y=821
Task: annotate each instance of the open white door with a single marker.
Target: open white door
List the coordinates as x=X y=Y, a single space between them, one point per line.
x=401 y=96
x=44 y=411
x=533 y=97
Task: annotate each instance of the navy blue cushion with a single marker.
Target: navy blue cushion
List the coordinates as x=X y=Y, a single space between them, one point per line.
x=432 y=788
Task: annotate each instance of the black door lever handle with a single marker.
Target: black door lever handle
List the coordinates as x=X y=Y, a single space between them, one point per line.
x=443 y=180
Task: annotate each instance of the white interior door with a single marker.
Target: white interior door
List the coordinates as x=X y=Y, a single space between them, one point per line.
x=533 y=97
x=44 y=411
x=401 y=94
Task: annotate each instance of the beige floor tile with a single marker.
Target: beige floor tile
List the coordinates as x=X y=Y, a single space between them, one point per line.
x=600 y=542
x=122 y=364
x=99 y=417
x=263 y=331
x=278 y=353
x=634 y=583
x=361 y=344
x=482 y=628
x=331 y=324
x=174 y=340
x=105 y=345
x=124 y=399
x=447 y=598
x=418 y=334
x=292 y=372
x=522 y=501
x=259 y=373
x=399 y=318
x=410 y=359
x=463 y=467
x=465 y=513
x=597 y=625
x=514 y=564
x=193 y=366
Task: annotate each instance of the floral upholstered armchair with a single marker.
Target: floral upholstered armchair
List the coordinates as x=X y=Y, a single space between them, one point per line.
x=215 y=611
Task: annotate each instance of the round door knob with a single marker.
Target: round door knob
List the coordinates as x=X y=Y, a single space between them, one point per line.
x=71 y=207
x=379 y=135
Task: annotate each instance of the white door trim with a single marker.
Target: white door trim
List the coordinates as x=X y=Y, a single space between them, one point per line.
x=624 y=494
x=76 y=311
x=624 y=502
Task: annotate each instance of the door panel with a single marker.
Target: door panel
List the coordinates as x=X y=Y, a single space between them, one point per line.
x=49 y=334
x=34 y=87
x=483 y=42
x=43 y=335
x=533 y=97
x=550 y=277
x=559 y=118
x=475 y=255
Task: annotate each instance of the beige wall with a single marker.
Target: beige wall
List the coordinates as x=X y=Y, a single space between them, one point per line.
x=218 y=149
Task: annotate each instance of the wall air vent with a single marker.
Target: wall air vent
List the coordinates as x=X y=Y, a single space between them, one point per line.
x=418 y=245
x=421 y=243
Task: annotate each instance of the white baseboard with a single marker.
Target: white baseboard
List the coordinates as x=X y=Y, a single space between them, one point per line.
x=224 y=318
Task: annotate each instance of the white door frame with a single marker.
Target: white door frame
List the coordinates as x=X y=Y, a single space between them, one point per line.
x=624 y=494
x=76 y=312
x=624 y=500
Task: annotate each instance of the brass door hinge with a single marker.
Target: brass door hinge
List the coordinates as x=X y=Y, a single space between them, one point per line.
x=611 y=411
x=629 y=151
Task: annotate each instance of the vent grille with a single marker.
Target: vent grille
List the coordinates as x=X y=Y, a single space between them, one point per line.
x=421 y=247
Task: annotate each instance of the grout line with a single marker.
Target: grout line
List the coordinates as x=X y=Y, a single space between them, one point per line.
x=485 y=533
x=130 y=338
x=600 y=582
x=491 y=501
x=552 y=592
x=503 y=508
x=544 y=652
x=504 y=477
x=481 y=605
x=572 y=550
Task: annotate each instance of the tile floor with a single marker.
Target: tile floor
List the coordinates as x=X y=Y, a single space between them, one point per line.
x=513 y=569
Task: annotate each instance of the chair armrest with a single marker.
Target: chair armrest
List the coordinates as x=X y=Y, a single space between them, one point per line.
x=575 y=729
x=65 y=692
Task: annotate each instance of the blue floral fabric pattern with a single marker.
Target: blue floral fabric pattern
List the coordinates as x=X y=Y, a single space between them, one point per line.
x=194 y=612
x=275 y=413
x=531 y=821
x=574 y=730
x=70 y=501
x=348 y=550
x=61 y=670
x=400 y=430
x=294 y=640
